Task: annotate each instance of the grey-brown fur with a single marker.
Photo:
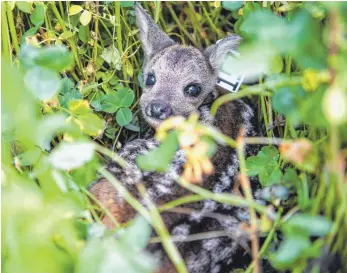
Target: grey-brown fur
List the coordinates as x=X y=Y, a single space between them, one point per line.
x=176 y=66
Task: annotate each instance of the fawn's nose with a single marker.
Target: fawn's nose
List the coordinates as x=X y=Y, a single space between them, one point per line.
x=158 y=109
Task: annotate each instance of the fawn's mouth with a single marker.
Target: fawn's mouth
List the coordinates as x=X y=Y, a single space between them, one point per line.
x=154 y=122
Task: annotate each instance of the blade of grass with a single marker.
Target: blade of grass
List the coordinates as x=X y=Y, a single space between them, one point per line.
x=160 y=228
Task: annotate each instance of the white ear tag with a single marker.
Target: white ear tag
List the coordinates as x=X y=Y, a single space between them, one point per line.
x=230 y=82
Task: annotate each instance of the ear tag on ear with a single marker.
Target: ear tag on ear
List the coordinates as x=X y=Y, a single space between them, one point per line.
x=230 y=82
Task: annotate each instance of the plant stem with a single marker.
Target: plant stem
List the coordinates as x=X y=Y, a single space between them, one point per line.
x=119 y=160
x=96 y=29
x=181 y=201
x=70 y=40
x=164 y=235
x=119 y=36
x=175 y=18
x=157 y=5
x=266 y=244
x=12 y=28
x=207 y=17
x=234 y=96
x=107 y=212
x=248 y=192
x=264 y=112
x=5 y=35
x=61 y=7
x=221 y=197
x=125 y=194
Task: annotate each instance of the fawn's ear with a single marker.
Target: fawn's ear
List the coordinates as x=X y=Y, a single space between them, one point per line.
x=215 y=53
x=152 y=37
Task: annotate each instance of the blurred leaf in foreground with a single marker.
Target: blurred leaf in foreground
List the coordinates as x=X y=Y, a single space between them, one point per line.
x=160 y=158
x=71 y=155
x=104 y=254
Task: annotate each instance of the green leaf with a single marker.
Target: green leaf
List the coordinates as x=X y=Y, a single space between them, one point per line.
x=268 y=155
x=124 y=116
x=42 y=82
x=91 y=124
x=126 y=97
x=74 y=9
x=270 y=176
x=84 y=33
x=28 y=55
x=55 y=58
x=159 y=158
x=110 y=103
x=283 y=101
x=136 y=235
x=85 y=18
x=265 y=164
x=69 y=156
x=290 y=177
x=29 y=157
x=78 y=107
x=106 y=254
x=96 y=104
x=277 y=64
x=114 y=80
x=65 y=35
x=68 y=92
x=306 y=223
x=289 y=251
x=133 y=127
x=66 y=85
x=127 y=4
x=112 y=57
x=49 y=126
x=89 y=87
x=38 y=15
x=129 y=68
x=300 y=106
x=24 y=6
x=263 y=25
x=232 y=5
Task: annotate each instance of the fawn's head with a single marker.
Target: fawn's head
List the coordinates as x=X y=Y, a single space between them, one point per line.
x=178 y=79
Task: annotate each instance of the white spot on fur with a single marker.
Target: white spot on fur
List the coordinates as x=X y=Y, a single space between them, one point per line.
x=209 y=206
x=211 y=244
x=195 y=263
x=163 y=189
x=182 y=231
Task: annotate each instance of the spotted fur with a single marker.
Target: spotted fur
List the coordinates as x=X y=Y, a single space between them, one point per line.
x=175 y=66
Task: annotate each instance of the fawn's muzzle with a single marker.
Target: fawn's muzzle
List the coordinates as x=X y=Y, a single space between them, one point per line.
x=158 y=109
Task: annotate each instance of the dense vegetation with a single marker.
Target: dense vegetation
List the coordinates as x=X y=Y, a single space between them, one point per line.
x=71 y=81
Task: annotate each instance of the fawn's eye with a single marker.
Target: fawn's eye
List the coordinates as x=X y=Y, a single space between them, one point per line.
x=192 y=90
x=150 y=80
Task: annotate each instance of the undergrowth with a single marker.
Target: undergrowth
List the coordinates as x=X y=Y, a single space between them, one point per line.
x=71 y=82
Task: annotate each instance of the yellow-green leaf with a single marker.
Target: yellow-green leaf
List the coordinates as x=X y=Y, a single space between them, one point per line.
x=79 y=107
x=129 y=68
x=12 y=5
x=91 y=124
x=65 y=35
x=24 y=6
x=85 y=18
x=75 y=9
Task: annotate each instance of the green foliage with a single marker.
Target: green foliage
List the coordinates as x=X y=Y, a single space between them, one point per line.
x=159 y=158
x=123 y=254
x=296 y=246
x=232 y=5
x=265 y=164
